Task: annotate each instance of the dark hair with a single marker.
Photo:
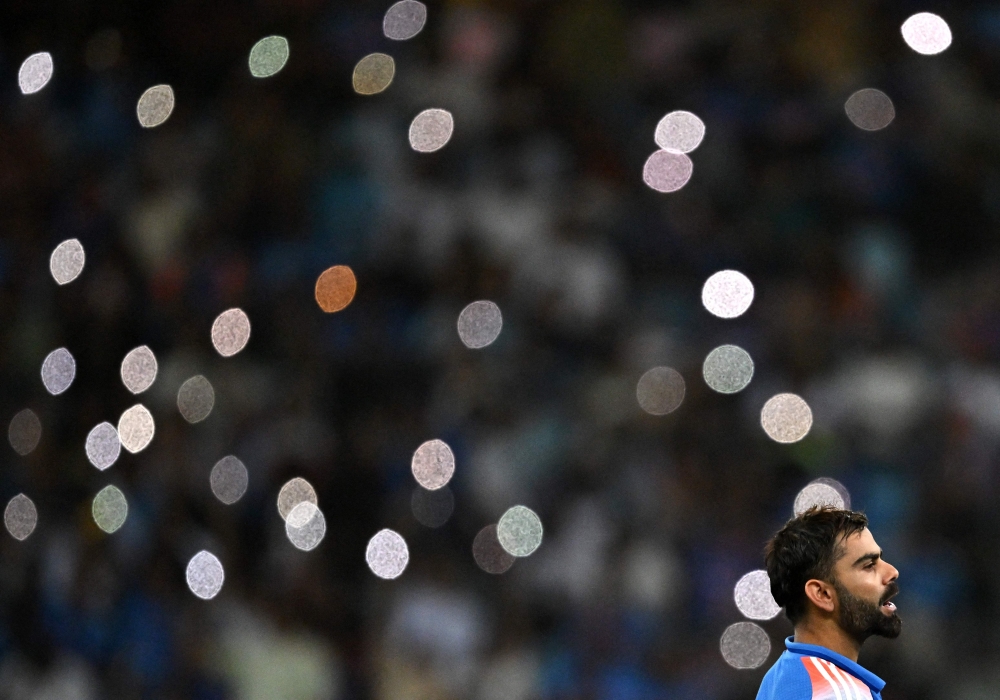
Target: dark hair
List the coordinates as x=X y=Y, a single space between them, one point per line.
x=807 y=547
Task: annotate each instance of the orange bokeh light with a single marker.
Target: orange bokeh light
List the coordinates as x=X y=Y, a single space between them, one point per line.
x=335 y=288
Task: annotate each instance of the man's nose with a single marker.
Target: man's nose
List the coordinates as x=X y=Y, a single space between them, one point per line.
x=891 y=573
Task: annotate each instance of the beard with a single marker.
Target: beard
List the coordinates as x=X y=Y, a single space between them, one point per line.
x=862 y=619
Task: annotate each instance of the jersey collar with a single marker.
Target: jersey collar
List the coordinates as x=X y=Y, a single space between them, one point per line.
x=870 y=679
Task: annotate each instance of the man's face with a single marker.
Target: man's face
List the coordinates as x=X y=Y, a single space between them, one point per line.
x=865 y=582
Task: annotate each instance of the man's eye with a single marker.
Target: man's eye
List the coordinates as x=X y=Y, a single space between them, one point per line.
x=870 y=565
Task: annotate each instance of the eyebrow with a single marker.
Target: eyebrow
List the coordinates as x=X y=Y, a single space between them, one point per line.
x=873 y=556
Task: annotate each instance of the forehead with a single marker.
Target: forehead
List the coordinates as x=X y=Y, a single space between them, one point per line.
x=856 y=545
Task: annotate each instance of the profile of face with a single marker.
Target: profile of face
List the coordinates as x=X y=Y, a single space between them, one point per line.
x=865 y=583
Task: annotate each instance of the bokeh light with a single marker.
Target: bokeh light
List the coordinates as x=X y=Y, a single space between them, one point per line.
x=195 y=399
x=155 y=106
x=479 y=324
x=58 y=371
x=660 y=391
x=335 y=288
x=229 y=479
x=753 y=596
x=926 y=33
x=404 y=20
x=24 y=432
x=35 y=72
x=294 y=492
x=139 y=369
x=679 y=132
x=520 y=531
x=432 y=508
x=727 y=294
x=870 y=109
x=136 y=428
x=845 y=495
x=305 y=526
x=373 y=74
x=301 y=514
x=103 y=446
x=268 y=56
x=67 y=261
x=745 y=645
x=230 y=332
x=433 y=464
x=489 y=554
x=667 y=171
x=817 y=494
x=786 y=418
x=431 y=130
x=387 y=554
x=20 y=517
x=728 y=369
x=205 y=575
x=110 y=509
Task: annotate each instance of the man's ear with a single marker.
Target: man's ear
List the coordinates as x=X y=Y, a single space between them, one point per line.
x=821 y=594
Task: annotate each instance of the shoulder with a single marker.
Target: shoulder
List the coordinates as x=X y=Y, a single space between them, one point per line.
x=787 y=679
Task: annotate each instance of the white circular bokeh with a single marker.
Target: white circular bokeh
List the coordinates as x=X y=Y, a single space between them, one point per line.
x=745 y=645
x=520 y=531
x=679 y=132
x=870 y=109
x=155 y=106
x=67 y=261
x=786 y=418
x=58 y=371
x=728 y=369
x=110 y=509
x=433 y=464
x=103 y=446
x=35 y=72
x=205 y=575
x=20 y=517
x=479 y=324
x=727 y=294
x=136 y=428
x=294 y=492
x=404 y=20
x=195 y=399
x=926 y=33
x=24 y=431
x=229 y=479
x=387 y=554
x=817 y=494
x=431 y=130
x=667 y=171
x=230 y=332
x=138 y=370
x=660 y=391
x=305 y=526
x=753 y=596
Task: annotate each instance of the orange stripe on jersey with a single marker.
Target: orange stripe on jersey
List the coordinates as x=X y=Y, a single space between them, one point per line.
x=859 y=690
x=823 y=687
x=829 y=682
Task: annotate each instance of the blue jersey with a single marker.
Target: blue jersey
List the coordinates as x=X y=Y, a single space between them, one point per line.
x=810 y=672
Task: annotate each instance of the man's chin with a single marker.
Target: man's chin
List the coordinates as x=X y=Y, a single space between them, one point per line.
x=890 y=626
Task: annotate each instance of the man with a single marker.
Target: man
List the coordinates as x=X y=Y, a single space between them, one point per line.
x=828 y=574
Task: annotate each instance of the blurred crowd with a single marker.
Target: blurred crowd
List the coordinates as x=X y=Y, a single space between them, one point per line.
x=873 y=255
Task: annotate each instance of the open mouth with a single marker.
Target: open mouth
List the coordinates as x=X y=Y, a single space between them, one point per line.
x=888 y=607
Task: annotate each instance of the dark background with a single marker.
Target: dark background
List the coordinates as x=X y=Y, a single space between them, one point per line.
x=874 y=258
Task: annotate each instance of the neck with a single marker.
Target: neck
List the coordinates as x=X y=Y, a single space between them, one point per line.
x=827 y=633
